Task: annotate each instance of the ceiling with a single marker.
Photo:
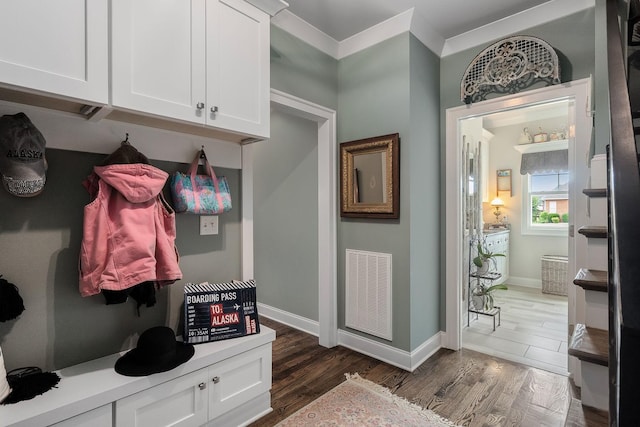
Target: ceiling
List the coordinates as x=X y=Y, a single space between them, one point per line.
x=341 y=19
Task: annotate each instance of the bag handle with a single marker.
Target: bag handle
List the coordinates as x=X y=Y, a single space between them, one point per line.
x=193 y=169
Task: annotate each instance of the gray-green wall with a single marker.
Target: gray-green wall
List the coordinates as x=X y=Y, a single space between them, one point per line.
x=39 y=246
x=286 y=181
x=390 y=87
x=302 y=70
x=387 y=88
x=424 y=190
x=373 y=99
x=285 y=216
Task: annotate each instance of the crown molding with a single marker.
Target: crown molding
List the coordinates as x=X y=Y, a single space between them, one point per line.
x=537 y=15
x=409 y=20
x=420 y=28
x=306 y=32
x=424 y=32
x=378 y=33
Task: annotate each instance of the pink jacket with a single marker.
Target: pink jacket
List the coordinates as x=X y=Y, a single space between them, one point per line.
x=129 y=230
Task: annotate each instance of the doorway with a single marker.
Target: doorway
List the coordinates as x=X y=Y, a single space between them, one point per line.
x=577 y=95
x=522 y=186
x=323 y=120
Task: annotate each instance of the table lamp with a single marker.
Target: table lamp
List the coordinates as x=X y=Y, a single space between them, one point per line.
x=496 y=203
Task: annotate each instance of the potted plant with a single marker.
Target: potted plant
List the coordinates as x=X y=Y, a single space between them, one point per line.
x=484 y=258
x=482 y=295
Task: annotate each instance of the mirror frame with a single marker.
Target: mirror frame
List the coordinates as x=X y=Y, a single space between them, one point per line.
x=389 y=144
x=503 y=181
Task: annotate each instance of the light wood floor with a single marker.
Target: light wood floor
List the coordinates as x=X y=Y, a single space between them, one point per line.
x=533 y=331
x=469 y=388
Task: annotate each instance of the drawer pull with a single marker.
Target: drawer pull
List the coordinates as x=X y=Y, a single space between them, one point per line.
x=216 y=380
x=202 y=386
x=200 y=105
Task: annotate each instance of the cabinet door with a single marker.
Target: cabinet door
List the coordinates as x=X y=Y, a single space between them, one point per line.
x=59 y=47
x=500 y=244
x=239 y=379
x=505 y=250
x=158 y=51
x=238 y=76
x=99 y=417
x=179 y=402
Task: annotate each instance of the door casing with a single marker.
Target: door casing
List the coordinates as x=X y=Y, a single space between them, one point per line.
x=580 y=117
x=327 y=208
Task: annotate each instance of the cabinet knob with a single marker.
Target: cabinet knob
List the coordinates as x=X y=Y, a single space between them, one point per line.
x=214 y=110
x=202 y=386
x=216 y=380
x=200 y=105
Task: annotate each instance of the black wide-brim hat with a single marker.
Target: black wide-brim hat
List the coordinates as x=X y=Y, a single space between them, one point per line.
x=157 y=351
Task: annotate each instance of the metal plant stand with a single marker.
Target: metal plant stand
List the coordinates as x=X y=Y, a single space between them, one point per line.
x=477 y=278
x=493 y=312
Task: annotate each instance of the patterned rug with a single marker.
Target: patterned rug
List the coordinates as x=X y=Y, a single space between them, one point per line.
x=358 y=402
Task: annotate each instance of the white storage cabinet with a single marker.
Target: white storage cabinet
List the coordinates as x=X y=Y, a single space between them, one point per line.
x=498 y=242
x=199 y=61
x=179 y=402
x=225 y=383
x=56 y=47
x=221 y=390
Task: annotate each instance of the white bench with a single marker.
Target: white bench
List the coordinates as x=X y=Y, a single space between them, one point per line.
x=225 y=381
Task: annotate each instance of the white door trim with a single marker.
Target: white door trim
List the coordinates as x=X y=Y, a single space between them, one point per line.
x=580 y=91
x=327 y=216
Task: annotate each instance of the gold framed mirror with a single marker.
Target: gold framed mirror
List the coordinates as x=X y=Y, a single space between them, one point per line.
x=370 y=177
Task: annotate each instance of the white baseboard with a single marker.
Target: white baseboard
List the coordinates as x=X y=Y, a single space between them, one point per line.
x=526 y=282
x=297 y=322
x=391 y=355
x=427 y=349
x=408 y=361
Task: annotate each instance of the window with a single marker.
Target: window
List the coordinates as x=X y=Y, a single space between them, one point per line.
x=546 y=203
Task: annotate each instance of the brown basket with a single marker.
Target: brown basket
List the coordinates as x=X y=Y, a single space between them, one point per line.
x=554 y=274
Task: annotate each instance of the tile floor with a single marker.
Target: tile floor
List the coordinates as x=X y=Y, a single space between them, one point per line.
x=533 y=329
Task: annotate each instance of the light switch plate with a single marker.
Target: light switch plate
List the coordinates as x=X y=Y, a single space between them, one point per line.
x=208 y=225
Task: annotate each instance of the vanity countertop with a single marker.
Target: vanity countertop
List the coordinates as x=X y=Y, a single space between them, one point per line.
x=496 y=230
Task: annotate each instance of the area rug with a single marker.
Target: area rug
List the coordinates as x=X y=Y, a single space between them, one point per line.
x=359 y=402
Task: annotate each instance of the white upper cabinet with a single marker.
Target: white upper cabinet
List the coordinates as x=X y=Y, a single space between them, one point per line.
x=56 y=47
x=158 y=57
x=199 y=61
x=238 y=77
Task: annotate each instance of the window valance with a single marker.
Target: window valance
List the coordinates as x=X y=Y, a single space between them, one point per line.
x=546 y=161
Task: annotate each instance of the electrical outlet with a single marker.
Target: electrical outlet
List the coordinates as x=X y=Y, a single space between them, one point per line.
x=208 y=225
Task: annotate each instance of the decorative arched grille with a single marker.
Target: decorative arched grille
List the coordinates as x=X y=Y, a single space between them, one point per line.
x=509 y=66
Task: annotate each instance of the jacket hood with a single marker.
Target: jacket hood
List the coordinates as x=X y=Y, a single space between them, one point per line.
x=137 y=182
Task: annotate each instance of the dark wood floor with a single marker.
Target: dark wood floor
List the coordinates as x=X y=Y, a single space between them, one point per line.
x=469 y=388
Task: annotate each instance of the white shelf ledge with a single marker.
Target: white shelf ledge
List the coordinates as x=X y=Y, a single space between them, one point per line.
x=539 y=147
